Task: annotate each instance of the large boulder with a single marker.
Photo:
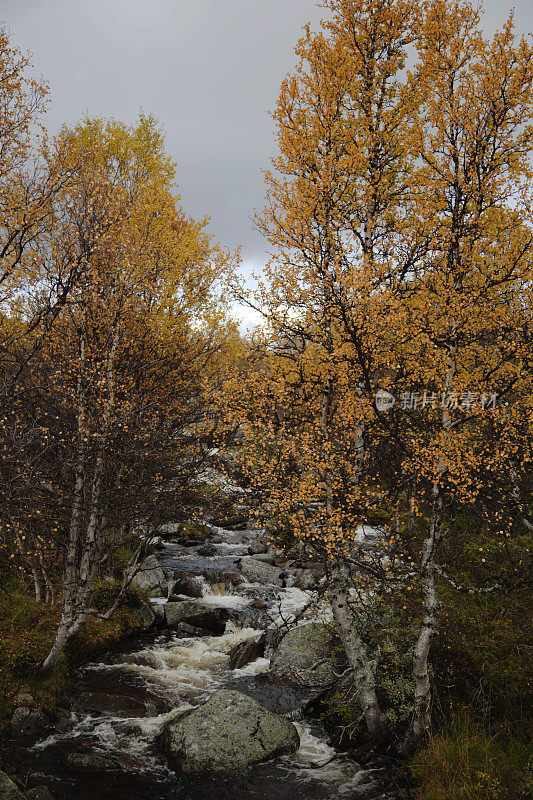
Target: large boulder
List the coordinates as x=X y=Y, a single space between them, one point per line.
x=8 y=790
x=258 y=572
x=195 y=613
x=308 y=656
x=28 y=722
x=186 y=583
x=273 y=692
x=145 y=617
x=149 y=576
x=226 y=734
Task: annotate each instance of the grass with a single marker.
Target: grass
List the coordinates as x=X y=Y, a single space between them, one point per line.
x=467 y=762
x=480 y=749
x=27 y=631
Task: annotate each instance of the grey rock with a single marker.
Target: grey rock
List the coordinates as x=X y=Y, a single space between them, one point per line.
x=145 y=616
x=191 y=533
x=156 y=544
x=170 y=529
x=195 y=613
x=98 y=762
x=307 y=580
x=150 y=577
x=308 y=656
x=265 y=558
x=24 y=700
x=273 y=693
x=226 y=734
x=158 y=610
x=223 y=576
x=62 y=720
x=291 y=577
x=207 y=550
x=117 y=704
x=186 y=583
x=257 y=547
x=28 y=722
x=258 y=572
x=8 y=790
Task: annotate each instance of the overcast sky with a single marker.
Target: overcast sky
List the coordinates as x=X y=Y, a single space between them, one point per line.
x=209 y=70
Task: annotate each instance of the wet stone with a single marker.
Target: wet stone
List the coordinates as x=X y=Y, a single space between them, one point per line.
x=246 y=652
x=207 y=550
x=28 y=722
x=256 y=571
x=228 y=733
x=185 y=583
x=195 y=613
x=98 y=762
x=117 y=704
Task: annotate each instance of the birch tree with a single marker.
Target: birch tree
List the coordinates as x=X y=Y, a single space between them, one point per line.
x=399 y=220
x=132 y=349
x=474 y=142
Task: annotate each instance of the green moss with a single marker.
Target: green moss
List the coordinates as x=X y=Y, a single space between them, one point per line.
x=98 y=635
x=27 y=631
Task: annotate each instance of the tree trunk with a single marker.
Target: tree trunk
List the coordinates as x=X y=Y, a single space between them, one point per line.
x=36 y=585
x=81 y=567
x=421 y=721
x=364 y=668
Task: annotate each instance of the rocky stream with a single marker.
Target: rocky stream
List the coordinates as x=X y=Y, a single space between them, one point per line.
x=202 y=705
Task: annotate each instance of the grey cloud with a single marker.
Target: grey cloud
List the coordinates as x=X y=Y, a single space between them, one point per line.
x=208 y=69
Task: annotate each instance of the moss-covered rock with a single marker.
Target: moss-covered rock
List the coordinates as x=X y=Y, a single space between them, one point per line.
x=308 y=656
x=8 y=790
x=150 y=577
x=226 y=734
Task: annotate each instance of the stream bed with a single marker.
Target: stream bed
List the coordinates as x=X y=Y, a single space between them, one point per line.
x=110 y=749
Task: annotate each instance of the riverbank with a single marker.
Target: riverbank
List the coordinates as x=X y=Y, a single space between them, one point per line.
x=107 y=736
x=113 y=694
x=27 y=630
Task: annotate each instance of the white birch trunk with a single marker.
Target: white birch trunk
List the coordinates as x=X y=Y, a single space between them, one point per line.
x=364 y=669
x=81 y=568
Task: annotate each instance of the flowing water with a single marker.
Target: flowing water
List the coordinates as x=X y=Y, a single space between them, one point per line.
x=162 y=674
